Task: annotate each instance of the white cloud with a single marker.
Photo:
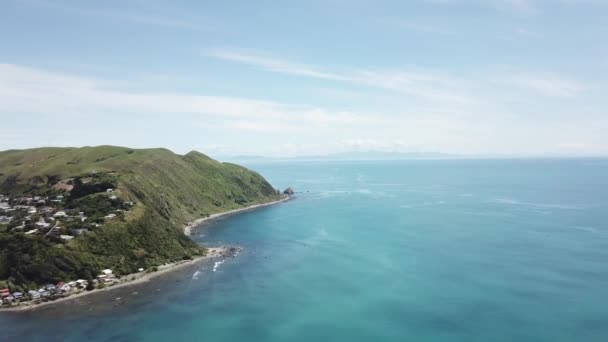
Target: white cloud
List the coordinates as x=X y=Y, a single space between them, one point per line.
x=27 y=90
x=272 y=64
x=421 y=84
x=59 y=109
x=545 y=84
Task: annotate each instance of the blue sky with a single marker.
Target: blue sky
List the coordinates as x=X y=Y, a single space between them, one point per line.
x=279 y=78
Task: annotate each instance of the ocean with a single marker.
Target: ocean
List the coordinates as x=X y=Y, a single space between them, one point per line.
x=426 y=250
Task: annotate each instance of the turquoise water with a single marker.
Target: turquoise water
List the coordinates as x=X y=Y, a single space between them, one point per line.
x=503 y=250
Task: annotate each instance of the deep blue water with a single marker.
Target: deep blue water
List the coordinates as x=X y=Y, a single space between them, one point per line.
x=467 y=250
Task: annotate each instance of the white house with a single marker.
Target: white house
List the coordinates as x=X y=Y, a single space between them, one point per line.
x=60 y=214
x=42 y=224
x=66 y=237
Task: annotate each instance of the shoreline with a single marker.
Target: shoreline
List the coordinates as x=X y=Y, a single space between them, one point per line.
x=145 y=276
x=130 y=279
x=188 y=227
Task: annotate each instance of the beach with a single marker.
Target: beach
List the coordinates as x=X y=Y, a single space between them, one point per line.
x=190 y=225
x=132 y=279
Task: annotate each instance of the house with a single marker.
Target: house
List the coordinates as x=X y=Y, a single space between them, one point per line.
x=66 y=237
x=107 y=271
x=44 y=293
x=60 y=214
x=42 y=223
x=64 y=287
x=19 y=228
x=5 y=219
x=33 y=294
x=113 y=197
x=32 y=210
x=82 y=283
x=109 y=191
x=5 y=292
x=110 y=216
x=18 y=295
x=30 y=232
x=73 y=284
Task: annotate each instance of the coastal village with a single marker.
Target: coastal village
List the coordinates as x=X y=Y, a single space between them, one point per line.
x=58 y=220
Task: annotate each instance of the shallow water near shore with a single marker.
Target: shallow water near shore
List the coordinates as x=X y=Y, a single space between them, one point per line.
x=462 y=250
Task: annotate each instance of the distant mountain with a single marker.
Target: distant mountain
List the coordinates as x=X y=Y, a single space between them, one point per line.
x=370 y=155
x=138 y=223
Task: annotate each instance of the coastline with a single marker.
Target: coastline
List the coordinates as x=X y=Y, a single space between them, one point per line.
x=144 y=276
x=131 y=279
x=192 y=224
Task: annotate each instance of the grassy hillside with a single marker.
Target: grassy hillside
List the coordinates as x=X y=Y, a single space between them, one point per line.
x=167 y=190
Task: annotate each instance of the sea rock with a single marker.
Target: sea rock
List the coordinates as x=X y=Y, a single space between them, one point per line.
x=288 y=191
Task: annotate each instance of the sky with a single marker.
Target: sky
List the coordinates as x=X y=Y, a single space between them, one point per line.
x=296 y=78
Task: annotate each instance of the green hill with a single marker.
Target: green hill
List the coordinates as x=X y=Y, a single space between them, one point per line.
x=154 y=193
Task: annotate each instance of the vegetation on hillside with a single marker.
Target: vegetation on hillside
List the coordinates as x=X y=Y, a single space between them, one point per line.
x=165 y=191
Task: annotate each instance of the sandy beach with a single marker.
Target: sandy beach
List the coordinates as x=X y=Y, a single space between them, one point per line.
x=189 y=226
x=131 y=279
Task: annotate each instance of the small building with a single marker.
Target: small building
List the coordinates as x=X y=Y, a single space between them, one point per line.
x=73 y=284
x=17 y=295
x=60 y=214
x=113 y=197
x=5 y=219
x=19 y=228
x=66 y=237
x=33 y=231
x=32 y=210
x=110 y=216
x=42 y=223
x=109 y=191
x=33 y=294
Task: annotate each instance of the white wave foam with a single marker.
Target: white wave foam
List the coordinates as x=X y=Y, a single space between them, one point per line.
x=511 y=201
x=217 y=265
x=195 y=275
x=423 y=204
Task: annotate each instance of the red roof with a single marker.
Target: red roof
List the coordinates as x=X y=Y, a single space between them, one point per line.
x=60 y=284
x=4 y=290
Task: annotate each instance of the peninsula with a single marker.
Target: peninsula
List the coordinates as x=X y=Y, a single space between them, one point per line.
x=74 y=219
